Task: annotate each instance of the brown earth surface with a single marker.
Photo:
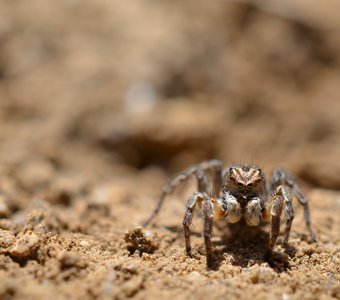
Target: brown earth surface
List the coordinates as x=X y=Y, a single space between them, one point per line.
x=101 y=102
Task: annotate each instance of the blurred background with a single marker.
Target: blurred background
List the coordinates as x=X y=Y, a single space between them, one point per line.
x=98 y=90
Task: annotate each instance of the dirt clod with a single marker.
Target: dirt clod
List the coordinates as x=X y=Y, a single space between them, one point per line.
x=26 y=245
x=6 y=239
x=139 y=240
x=69 y=259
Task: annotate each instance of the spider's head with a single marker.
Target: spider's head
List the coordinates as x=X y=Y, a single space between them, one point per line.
x=244 y=180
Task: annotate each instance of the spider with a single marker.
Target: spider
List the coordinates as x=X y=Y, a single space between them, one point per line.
x=239 y=192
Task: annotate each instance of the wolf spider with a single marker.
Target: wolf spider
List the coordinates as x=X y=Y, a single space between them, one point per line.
x=239 y=192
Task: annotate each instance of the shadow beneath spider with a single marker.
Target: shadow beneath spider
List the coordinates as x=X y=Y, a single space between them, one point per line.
x=249 y=246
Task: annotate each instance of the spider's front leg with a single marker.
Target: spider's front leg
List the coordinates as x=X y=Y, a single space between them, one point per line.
x=207 y=229
x=189 y=213
x=202 y=198
x=281 y=177
x=282 y=200
x=205 y=200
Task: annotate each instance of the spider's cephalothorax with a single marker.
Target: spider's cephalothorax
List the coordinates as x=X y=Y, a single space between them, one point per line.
x=239 y=192
x=244 y=182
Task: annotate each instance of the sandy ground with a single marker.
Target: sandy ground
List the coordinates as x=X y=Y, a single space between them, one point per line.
x=102 y=102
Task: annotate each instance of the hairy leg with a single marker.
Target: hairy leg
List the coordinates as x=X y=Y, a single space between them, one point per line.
x=275 y=217
x=289 y=211
x=231 y=208
x=189 y=213
x=196 y=170
x=282 y=199
x=304 y=201
x=281 y=177
x=207 y=230
x=202 y=181
x=253 y=212
x=207 y=223
x=217 y=178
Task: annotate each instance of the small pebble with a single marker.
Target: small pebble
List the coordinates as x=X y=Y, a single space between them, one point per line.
x=84 y=243
x=285 y=297
x=194 y=276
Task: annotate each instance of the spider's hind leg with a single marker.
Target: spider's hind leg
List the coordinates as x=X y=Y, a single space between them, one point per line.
x=196 y=170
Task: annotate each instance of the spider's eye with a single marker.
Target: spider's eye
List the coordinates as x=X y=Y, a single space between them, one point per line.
x=258 y=181
x=232 y=179
x=239 y=186
x=250 y=186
